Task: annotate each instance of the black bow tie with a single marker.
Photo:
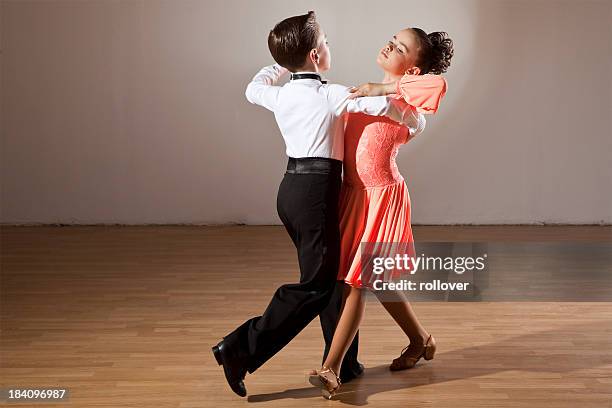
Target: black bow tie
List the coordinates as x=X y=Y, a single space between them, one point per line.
x=308 y=76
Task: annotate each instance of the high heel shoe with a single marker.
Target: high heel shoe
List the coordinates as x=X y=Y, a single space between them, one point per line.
x=409 y=358
x=327 y=386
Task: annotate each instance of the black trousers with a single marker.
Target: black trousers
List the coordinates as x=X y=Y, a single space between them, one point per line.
x=308 y=207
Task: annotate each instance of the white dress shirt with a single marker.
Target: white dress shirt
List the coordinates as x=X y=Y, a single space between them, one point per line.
x=310 y=114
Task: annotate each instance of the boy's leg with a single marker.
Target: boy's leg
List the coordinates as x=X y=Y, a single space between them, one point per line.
x=307 y=204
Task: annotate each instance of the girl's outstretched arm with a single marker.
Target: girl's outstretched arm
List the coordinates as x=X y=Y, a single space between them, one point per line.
x=374 y=89
x=424 y=92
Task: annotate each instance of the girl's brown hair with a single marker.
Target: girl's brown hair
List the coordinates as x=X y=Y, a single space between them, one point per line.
x=436 y=51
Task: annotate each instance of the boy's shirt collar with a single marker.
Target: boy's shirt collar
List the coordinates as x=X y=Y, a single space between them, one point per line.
x=300 y=75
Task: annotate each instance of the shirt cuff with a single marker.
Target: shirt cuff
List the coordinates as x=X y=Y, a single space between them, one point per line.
x=280 y=69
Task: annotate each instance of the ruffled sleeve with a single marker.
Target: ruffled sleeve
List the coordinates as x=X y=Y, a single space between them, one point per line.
x=424 y=92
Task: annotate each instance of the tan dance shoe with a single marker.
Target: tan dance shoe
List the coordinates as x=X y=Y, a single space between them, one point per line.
x=410 y=355
x=327 y=380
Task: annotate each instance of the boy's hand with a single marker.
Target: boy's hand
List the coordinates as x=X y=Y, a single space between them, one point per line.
x=373 y=89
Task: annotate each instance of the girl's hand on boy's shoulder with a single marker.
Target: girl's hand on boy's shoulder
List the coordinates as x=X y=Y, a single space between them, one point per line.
x=373 y=89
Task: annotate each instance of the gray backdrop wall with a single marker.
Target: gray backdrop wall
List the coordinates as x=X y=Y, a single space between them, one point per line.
x=134 y=111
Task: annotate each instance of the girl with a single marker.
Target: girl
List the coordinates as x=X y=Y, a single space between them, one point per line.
x=374 y=203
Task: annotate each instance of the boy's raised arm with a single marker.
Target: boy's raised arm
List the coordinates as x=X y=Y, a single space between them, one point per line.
x=403 y=113
x=410 y=117
x=393 y=108
x=262 y=89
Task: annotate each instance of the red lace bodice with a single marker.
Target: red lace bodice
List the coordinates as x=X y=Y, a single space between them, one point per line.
x=371 y=144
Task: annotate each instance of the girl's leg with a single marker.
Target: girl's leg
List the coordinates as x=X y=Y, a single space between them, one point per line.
x=397 y=305
x=353 y=307
x=421 y=343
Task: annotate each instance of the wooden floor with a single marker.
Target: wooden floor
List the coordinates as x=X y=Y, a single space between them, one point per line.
x=126 y=316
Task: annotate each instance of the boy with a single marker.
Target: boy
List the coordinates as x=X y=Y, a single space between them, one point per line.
x=309 y=115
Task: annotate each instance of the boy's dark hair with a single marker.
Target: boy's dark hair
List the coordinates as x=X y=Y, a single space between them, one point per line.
x=291 y=40
x=436 y=51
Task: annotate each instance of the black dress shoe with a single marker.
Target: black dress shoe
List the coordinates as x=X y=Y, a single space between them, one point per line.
x=347 y=375
x=233 y=370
